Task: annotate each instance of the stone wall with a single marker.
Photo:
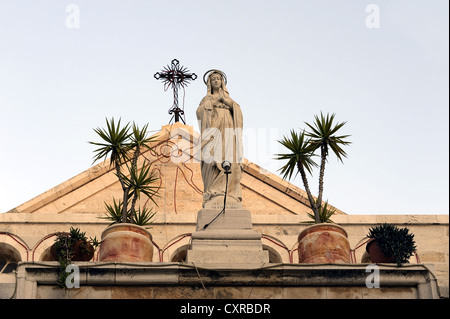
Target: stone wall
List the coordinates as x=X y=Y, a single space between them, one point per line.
x=27 y=234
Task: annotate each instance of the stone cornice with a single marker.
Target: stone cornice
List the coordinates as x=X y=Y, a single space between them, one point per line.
x=418 y=277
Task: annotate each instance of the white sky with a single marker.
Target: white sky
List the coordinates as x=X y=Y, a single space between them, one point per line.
x=285 y=60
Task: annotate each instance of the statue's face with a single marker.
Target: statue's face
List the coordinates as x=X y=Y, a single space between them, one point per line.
x=216 y=81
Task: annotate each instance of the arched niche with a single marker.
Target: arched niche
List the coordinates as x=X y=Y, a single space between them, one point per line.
x=9 y=258
x=274 y=256
x=179 y=255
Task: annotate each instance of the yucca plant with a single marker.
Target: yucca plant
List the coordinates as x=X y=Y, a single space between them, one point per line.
x=142 y=216
x=114 y=212
x=303 y=146
x=124 y=148
x=325 y=214
x=139 y=182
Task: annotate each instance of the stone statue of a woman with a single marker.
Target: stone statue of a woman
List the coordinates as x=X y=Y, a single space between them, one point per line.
x=220 y=122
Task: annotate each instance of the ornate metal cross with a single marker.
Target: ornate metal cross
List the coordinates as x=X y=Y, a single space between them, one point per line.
x=175 y=76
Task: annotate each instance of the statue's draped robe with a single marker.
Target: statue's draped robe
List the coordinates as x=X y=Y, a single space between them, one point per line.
x=221 y=129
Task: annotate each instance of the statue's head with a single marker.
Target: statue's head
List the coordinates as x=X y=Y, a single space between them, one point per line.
x=214 y=80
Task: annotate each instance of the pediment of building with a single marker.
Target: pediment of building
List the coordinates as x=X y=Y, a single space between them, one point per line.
x=175 y=162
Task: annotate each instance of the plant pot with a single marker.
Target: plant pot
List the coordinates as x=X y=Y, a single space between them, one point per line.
x=126 y=243
x=324 y=244
x=376 y=255
x=82 y=251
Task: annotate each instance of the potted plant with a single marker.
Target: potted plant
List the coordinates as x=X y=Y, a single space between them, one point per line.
x=323 y=242
x=70 y=247
x=126 y=240
x=142 y=217
x=325 y=214
x=390 y=244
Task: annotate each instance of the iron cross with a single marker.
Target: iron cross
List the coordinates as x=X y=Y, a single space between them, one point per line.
x=175 y=76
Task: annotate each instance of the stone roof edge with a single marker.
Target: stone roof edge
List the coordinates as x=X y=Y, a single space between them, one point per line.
x=87 y=218
x=66 y=187
x=62 y=189
x=280 y=184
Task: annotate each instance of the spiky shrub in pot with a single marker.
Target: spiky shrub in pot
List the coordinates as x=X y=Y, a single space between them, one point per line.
x=394 y=241
x=69 y=247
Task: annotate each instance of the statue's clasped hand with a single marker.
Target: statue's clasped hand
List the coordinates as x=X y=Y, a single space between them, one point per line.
x=221 y=103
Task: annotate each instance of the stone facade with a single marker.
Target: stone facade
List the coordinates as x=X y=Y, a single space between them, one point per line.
x=186 y=281
x=277 y=208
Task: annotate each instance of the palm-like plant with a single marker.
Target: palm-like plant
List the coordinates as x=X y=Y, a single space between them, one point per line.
x=325 y=214
x=114 y=212
x=115 y=143
x=124 y=147
x=142 y=217
x=299 y=159
x=302 y=148
x=139 y=182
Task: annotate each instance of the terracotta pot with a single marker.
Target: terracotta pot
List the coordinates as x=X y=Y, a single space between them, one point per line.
x=126 y=243
x=82 y=253
x=324 y=244
x=79 y=253
x=375 y=253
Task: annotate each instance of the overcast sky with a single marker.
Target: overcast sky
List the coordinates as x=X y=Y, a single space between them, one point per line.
x=382 y=66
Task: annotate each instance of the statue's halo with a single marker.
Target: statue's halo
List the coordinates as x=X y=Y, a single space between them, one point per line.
x=213 y=71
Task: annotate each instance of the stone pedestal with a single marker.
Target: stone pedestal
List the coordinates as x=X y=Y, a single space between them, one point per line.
x=228 y=242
